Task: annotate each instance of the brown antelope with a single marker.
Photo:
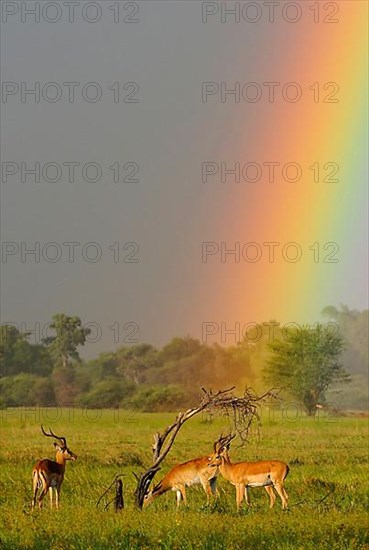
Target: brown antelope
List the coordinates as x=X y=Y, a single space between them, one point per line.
x=202 y=470
x=49 y=474
x=265 y=473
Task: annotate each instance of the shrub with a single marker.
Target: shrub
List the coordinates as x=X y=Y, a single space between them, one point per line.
x=106 y=394
x=158 y=398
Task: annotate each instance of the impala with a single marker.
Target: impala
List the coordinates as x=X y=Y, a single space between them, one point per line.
x=202 y=470
x=49 y=474
x=270 y=474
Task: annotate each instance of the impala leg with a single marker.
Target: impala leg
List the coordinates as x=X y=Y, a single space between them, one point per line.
x=283 y=495
x=240 y=490
x=45 y=488
x=210 y=488
x=181 y=495
x=269 y=489
x=40 y=498
x=57 y=494
x=207 y=489
x=247 y=496
x=51 y=496
x=213 y=487
x=184 y=495
x=35 y=489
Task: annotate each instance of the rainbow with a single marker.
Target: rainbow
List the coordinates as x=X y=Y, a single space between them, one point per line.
x=325 y=133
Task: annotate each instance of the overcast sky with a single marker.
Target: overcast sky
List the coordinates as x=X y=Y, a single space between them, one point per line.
x=151 y=121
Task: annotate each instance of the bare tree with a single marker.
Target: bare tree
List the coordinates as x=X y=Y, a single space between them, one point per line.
x=242 y=412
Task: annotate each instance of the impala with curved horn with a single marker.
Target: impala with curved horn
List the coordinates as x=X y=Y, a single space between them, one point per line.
x=202 y=470
x=49 y=474
x=270 y=474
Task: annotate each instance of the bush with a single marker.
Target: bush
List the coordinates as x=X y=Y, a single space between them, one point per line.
x=42 y=393
x=21 y=390
x=106 y=394
x=159 y=398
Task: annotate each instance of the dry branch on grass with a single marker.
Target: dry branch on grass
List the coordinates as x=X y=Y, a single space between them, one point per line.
x=242 y=412
x=118 y=499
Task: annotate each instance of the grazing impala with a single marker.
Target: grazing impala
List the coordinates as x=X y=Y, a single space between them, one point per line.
x=265 y=473
x=200 y=470
x=49 y=474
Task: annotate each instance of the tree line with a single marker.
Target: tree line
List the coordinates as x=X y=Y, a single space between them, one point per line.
x=307 y=362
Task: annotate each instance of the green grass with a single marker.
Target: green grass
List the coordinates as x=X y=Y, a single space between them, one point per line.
x=327 y=459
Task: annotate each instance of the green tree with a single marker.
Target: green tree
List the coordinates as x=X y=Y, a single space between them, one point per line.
x=69 y=334
x=306 y=362
x=160 y=398
x=134 y=362
x=26 y=389
x=353 y=326
x=178 y=348
x=18 y=355
x=42 y=393
x=64 y=384
x=107 y=393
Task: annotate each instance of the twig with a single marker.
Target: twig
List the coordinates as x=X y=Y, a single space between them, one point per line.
x=119 y=496
x=317 y=503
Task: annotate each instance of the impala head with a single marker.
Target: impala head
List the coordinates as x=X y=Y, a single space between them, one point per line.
x=214 y=461
x=221 y=447
x=149 y=497
x=60 y=445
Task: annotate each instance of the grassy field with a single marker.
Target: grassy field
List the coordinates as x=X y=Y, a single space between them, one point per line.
x=327 y=484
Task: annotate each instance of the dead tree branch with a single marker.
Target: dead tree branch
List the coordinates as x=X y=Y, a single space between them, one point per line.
x=118 y=499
